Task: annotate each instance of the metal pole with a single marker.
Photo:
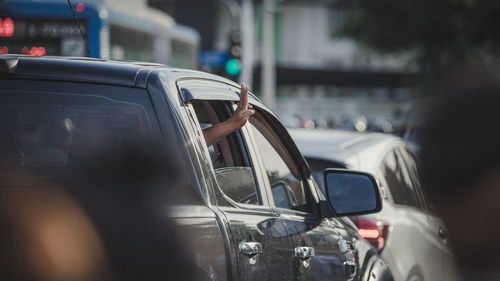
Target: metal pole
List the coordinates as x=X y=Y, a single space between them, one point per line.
x=234 y=12
x=268 y=77
x=247 y=32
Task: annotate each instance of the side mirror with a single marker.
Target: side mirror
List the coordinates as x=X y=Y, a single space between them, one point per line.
x=351 y=192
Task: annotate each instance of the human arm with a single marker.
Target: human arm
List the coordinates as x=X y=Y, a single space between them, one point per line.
x=237 y=120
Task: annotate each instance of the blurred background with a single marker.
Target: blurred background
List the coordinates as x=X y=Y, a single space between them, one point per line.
x=351 y=64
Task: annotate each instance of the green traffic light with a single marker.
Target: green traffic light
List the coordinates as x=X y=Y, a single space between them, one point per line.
x=233 y=67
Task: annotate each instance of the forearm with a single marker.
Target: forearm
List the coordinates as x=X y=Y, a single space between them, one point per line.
x=217 y=131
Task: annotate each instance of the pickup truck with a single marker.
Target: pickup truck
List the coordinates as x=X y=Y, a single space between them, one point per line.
x=248 y=205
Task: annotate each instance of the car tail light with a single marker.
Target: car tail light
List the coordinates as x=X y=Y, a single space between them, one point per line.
x=374 y=231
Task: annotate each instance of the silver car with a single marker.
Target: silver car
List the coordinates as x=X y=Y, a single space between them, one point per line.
x=406 y=232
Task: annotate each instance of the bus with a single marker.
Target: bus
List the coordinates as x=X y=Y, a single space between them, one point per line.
x=114 y=29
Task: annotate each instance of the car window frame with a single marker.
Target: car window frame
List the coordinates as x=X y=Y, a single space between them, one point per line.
x=208 y=166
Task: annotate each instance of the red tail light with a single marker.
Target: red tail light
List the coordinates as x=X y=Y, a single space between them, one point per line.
x=374 y=231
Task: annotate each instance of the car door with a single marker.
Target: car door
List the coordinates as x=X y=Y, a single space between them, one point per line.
x=415 y=228
x=437 y=229
x=317 y=245
x=259 y=243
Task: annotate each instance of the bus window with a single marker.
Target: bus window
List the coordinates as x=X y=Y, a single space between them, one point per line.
x=130 y=44
x=42 y=37
x=183 y=54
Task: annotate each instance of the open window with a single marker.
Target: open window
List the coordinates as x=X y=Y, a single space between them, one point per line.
x=232 y=166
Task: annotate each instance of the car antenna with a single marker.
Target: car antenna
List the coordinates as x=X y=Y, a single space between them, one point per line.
x=80 y=28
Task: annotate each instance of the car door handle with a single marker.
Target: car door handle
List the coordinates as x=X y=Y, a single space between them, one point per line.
x=304 y=252
x=250 y=248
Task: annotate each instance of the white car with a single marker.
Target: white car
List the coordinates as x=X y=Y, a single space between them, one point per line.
x=406 y=232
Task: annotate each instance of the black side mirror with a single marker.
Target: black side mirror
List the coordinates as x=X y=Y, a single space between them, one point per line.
x=351 y=192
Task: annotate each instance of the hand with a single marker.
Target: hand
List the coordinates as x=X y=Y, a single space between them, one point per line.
x=243 y=111
x=237 y=120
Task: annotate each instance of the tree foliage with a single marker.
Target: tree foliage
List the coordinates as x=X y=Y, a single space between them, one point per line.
x=444 y=33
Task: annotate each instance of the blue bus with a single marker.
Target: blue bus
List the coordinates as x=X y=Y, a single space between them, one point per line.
x=114 y=29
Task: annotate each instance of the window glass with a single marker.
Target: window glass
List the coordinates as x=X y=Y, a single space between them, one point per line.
x=411 y=165
x=47 y=132
x=184 y=54
x=398 y=180
x=238 y=183
x=130 y=44
x=281 y=197
x=234 y=175
x=44 y=37
x=286 y=183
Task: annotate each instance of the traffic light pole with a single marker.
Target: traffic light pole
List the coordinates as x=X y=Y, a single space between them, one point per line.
x=268 y=78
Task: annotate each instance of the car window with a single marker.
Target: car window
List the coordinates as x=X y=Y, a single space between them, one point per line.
x=234 y=173
x=412 y=165
x=398 y=180
x=53 y=131
x=285 y=179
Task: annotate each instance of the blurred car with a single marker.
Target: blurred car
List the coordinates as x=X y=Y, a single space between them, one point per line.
x=354 y=122
x=381 y=124
x=406 y=233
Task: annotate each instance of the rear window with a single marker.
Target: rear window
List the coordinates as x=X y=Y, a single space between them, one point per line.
x=48 y=128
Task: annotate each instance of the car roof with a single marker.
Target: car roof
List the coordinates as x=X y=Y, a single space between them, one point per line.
x=91 y=70
x=355 y=150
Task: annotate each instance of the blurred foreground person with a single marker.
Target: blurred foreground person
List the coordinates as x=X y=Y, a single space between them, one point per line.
x=461 y=168
x=105 y=219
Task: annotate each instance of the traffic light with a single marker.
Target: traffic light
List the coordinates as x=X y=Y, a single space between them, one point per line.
x=233 y=64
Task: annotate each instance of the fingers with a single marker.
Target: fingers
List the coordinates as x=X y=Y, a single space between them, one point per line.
x=243 y=104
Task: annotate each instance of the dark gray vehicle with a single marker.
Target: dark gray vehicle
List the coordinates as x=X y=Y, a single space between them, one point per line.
x=252 y=210
x=406 y=233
